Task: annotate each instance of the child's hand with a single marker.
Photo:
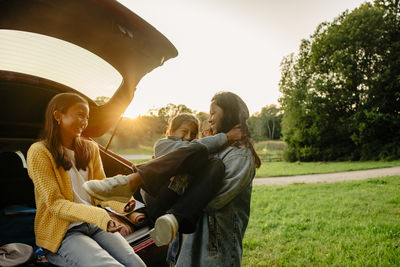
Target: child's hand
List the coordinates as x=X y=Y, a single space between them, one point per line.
x=235 y=134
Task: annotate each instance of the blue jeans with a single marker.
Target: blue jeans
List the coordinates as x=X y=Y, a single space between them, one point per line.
x=87 y=245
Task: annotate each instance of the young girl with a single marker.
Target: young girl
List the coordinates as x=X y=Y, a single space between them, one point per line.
x=71 y=230
x=175 y=156
x=182 y=128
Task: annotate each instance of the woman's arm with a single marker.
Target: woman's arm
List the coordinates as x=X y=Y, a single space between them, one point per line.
x=47 y=180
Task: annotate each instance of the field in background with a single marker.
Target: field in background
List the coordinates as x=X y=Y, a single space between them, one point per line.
x=270 y=150
x=140 y=150
x=341 y=224
x=282 y=168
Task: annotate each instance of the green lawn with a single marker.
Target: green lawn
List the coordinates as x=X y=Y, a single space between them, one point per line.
x=140 y=150
x=138 y=161
x=341 y=224
x=282 y=168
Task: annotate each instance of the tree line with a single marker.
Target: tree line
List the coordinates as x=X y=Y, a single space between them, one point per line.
x=341 y=92
x=145 y=129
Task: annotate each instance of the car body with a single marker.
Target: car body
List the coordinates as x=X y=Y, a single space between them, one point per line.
x=107 y=32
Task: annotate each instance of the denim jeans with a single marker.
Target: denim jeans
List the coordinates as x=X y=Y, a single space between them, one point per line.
x=87 y=245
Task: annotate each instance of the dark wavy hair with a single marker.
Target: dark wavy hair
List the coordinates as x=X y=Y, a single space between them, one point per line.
x=235 y=112
x=51 y=133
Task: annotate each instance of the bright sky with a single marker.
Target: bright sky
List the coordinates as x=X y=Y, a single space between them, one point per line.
x=230 y=45
x=223 y=45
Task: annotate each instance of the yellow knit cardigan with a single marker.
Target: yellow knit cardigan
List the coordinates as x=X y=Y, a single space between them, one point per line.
x=55 y=207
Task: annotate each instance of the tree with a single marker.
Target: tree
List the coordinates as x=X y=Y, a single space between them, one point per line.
x=272 y=117
x=171 y=110
x=341 y=96
x=266 y=124
x=202 y=116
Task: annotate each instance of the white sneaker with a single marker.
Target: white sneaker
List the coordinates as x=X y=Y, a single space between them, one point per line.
x=165 y=230
x=115 y=188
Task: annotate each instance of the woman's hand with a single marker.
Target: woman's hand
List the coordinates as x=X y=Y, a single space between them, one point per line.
x=117 y=225
x=235 y=134
x=114 y=226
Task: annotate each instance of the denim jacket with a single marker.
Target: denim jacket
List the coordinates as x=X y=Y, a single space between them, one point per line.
x=220 y=231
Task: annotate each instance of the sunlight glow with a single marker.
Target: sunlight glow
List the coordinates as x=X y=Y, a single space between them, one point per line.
x=57 y=60
x=231 y=45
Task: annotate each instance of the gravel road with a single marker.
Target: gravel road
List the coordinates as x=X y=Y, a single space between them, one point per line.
x=328 y=177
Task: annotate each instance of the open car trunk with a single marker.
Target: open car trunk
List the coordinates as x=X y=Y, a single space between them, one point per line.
x=104 y=28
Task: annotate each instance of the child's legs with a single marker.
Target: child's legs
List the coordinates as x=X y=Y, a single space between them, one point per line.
x=156 y=172
x=79 y=249
x=162 y=202
x=202 y=189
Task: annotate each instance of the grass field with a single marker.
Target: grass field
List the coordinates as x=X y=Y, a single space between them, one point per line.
x=140 y=150
x=270 y=151
x=341 y=224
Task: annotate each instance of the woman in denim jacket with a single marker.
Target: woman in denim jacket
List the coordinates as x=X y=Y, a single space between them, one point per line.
x=218 y=238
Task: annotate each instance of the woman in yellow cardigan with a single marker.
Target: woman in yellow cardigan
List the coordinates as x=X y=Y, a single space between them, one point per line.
x=68 y=227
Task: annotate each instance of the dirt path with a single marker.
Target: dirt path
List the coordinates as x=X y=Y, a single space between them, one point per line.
x=328 y=177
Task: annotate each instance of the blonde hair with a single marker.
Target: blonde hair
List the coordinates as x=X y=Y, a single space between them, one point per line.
x=177 y=121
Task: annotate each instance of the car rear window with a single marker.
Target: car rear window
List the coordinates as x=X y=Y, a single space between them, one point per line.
x=59 y=61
